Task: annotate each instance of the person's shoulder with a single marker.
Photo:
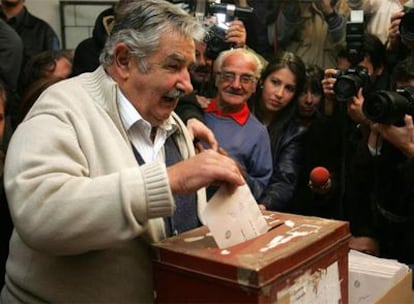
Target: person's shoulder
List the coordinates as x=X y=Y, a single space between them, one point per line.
x=31 y=20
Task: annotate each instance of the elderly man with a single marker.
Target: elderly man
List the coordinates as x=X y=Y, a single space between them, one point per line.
x=239 y=132
x=101 y=167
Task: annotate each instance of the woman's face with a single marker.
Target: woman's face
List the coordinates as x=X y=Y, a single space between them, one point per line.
x=279 y=88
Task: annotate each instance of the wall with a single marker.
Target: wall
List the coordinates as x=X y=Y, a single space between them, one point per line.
x=79 y=19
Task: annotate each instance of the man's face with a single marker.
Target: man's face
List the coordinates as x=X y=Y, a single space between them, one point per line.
x=201 y=71
x=155 y=93
x=236 y=81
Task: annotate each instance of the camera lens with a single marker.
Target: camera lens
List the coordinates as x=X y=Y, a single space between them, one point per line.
x=386 y=107
x=407 y=27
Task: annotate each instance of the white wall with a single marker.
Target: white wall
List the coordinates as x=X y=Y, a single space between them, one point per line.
x=48 y=10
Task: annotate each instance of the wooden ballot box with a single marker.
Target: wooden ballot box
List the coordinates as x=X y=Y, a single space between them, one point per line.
x=299 y=260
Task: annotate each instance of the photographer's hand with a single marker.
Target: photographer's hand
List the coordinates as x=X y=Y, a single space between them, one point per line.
x=236 y=34
x=355 y=109
x=400 y=137
x=394 y=38
x=328 y=91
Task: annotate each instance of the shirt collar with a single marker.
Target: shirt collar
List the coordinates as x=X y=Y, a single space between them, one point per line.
x=240 y=116
x=130 y=116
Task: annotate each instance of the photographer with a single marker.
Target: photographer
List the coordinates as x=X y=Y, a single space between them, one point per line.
x=313 y=29
x=384 y=175
x=378 y=13
x=400 y=43
x=331 y=139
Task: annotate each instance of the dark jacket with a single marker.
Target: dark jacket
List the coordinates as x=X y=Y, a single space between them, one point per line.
x=36 y=34
x=86 y=56
x=383 y=204
x=287 y=153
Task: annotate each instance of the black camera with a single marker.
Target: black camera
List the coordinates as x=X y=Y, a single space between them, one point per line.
x=349 y=81
x=388 y=107
x=407 y=26
x=216 y=33
x=216 y=41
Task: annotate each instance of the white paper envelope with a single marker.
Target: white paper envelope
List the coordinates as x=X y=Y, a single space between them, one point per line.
x=234 y=217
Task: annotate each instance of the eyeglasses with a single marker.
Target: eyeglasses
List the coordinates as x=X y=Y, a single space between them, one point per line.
x=231 y=77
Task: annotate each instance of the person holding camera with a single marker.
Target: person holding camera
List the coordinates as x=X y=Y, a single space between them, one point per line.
x=311 y=29
x=334 y=135
x=384 y=172
x=400 y=43
x=378 y=15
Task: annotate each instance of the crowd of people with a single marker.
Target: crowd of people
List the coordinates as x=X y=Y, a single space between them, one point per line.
x=121 y=142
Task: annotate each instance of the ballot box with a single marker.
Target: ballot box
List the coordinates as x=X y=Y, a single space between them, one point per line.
x=299 y=260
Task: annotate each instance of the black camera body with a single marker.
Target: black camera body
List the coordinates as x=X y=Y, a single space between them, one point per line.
x=388 y=107
x=406 y=26
x=216 y=41
x=349 y=81
x=216 y=33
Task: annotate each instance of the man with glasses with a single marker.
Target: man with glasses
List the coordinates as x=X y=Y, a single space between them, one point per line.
x=237 y=131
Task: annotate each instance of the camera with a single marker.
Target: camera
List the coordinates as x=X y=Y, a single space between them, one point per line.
x=407 y=26
x=388 y=107
x=216 y=33
x=216 y=40
x=349 y=81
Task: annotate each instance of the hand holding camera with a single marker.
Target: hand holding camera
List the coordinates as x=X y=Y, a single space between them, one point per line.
x=400 y=137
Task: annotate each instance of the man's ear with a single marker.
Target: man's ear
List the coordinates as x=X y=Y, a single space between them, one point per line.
x=122 y=59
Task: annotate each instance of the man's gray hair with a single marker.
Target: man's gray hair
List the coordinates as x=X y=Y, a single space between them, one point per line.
x=246 y=52
x=140 y=24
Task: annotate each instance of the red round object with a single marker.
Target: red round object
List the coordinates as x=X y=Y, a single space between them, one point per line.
x=319 y=176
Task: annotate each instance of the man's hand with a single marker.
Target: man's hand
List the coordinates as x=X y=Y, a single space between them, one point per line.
x=327 y=85
x=236 y=34
x=400 y=137
x=200 y=131
x=394 y=30
x=203 y=169
x=355 y=109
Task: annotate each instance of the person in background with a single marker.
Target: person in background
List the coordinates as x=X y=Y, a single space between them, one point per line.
x=11 y=56
x=383 y=210
x=36 y=34
x=313 y=30
x=237 y=131
x=6 y=225
x=377 y=15
x=275 y=105
x=11 y=59
x=42 y=66
x=333 y=137
x=47 y=64
x=311 y=99
x=87 y=52
x=110 y=169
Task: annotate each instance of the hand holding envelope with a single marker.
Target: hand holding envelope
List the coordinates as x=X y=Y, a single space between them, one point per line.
x=233 y=216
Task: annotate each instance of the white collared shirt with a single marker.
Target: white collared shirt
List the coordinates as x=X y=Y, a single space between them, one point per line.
x=139 y=131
